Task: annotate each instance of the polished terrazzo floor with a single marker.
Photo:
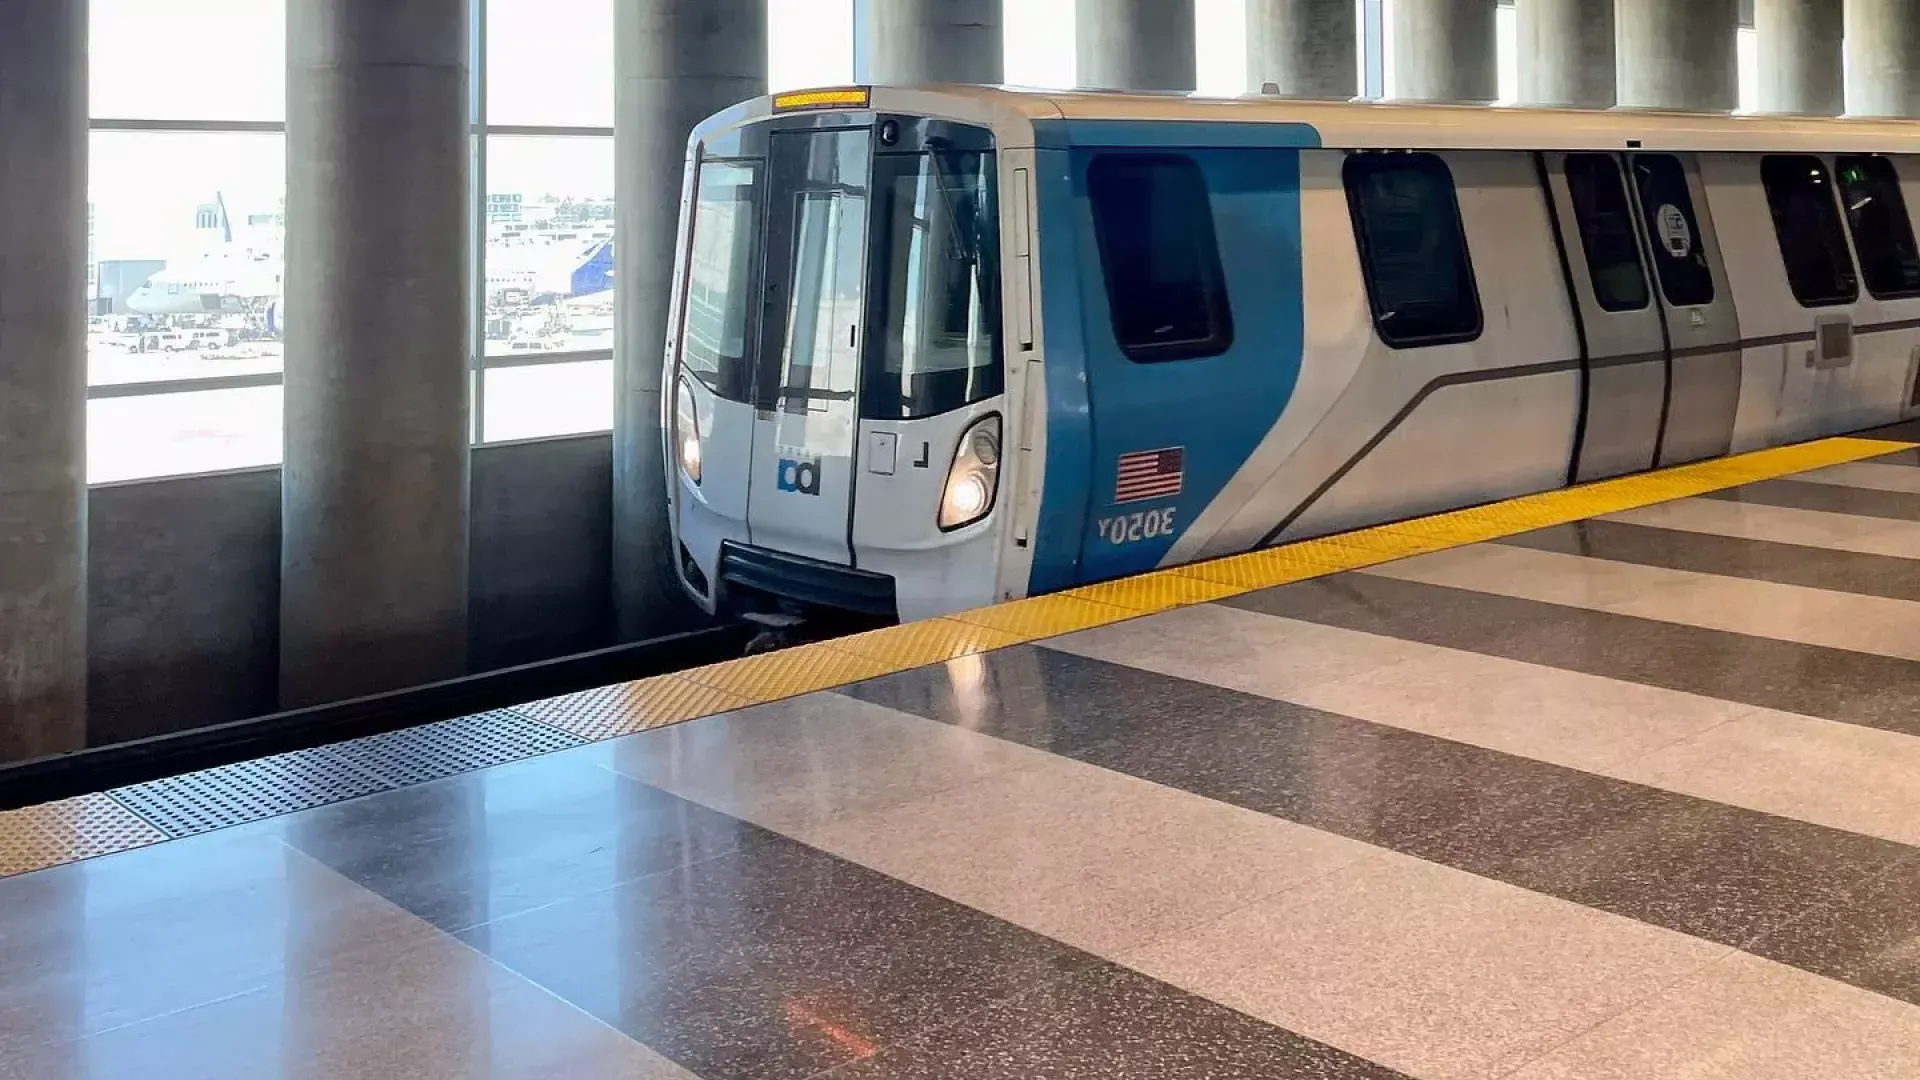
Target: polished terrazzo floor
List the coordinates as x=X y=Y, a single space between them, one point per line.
x=1632 y=798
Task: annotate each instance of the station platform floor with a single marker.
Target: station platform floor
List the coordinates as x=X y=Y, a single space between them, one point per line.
x=1620 y=782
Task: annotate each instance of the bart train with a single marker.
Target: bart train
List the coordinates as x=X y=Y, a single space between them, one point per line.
x=939 y=347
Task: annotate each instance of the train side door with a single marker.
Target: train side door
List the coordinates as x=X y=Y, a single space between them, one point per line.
x=800 y=497
x=1703 y=328
x=1623 y=345
x=1192 y=307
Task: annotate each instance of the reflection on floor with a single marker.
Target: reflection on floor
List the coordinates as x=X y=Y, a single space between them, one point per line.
x=1633 y=797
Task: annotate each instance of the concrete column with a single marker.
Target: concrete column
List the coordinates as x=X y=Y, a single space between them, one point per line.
x=1883 y=58
x=373 y=561
x=1678 y=54
x=1445 y=50
x=1800 y=56
x=1566 y=53
x=1135 y=44
x=1307 y=48
x=677 y=62
x=43 y=377
x=934 y=41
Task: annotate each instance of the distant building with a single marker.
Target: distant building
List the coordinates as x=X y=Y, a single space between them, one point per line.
x=504 y=208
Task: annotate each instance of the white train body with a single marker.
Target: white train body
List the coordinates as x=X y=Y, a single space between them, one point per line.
x=943 y=347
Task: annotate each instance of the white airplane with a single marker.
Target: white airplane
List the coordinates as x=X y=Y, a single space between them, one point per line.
x=223 y=277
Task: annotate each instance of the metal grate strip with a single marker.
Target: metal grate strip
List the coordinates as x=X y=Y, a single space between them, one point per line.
x=286 y=783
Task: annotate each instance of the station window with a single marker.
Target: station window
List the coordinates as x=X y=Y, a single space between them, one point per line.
x=1882 y=231
x=1806 y=221
x=1413 y=250
x=1161 y=258
x=1605 y=218
x=1673 y=230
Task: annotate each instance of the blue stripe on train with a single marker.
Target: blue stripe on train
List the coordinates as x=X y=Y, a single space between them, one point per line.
x=1102 y=405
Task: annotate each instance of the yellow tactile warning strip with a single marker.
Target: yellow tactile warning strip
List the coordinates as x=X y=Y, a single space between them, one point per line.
x=43 y=836
x=68 y=831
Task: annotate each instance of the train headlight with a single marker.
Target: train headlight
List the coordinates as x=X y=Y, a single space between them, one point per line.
x=974 y=479
x=686 y=432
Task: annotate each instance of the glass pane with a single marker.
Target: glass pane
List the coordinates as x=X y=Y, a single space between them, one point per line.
x=1806 y=221
x=1673 y=232
x=550 y=62
x=135 y=438
x=188 y=59
x=822 y=179
x=1154 y=224
x=549 y=251
x=1882 y=230
x=1604 y=217
x=185 y=253
x=1220 y=47
x=809 y=43
x=1039 y=43
x=1413 y=249
x=726 y=232
x=937 y=313
x=548 y=399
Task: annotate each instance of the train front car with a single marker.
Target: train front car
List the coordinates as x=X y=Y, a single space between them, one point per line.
x=836 y=410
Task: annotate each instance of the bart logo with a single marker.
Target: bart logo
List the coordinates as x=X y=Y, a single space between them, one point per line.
x=799 y=474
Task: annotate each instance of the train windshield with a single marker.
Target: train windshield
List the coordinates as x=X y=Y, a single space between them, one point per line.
x=813 y=247
x=936 y=313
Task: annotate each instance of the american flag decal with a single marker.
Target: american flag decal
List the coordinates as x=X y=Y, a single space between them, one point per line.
x=1149 y=474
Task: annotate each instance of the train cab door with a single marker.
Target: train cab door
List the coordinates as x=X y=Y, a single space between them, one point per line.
x=806 y=384
x=1703 y=329
x=1623 y=344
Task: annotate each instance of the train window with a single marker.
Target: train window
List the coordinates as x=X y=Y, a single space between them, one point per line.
x=1413 y=250
x=1605 y=218
x=1673 y=230
x=1882 y=231
x=1806 y=221
x=1154 y=225
x=936 y=293
x=726 y=231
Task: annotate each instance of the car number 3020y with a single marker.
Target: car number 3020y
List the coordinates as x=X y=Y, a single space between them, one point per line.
x=1135 y=527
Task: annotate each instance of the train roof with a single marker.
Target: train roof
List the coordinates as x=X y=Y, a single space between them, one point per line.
x=1362 y=125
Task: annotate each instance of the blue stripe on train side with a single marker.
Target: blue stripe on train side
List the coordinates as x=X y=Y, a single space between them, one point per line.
x=1102 y=405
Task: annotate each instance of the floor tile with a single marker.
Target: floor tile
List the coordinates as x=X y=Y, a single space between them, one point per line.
x=1230 y=647
x=1780 y=525
x=480 y=847
x=1718 y=872
x=431 y=1010
x=1855 y=688
x=1868 y=937
x=1826 y=497
x=1734 y=557
x=1528 y=575
x=813 y=759
x=774 y=961
x=1837 y=775
x=1746 y=1019
x=1114 y=1024
x=1546 y=713
x=1866 y=624
x=1086 y=856
x=1867 y=475
x=1434 y=972
x=117 y=940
